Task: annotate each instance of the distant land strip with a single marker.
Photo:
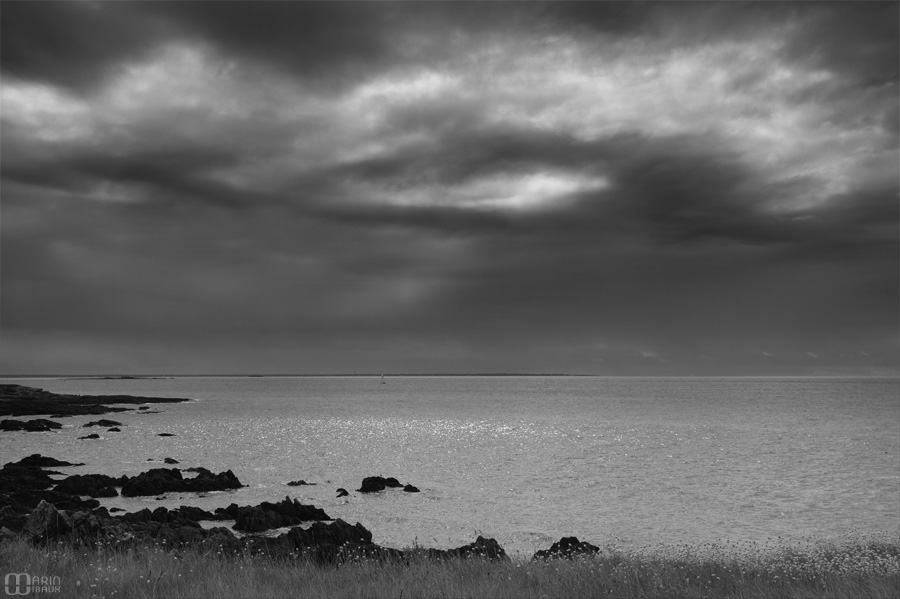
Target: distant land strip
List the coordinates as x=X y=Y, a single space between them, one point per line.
x=19 y=400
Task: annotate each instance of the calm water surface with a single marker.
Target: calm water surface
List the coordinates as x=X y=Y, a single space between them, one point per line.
x=632 y=462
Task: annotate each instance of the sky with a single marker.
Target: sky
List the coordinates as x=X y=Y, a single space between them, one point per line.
x=305 y=187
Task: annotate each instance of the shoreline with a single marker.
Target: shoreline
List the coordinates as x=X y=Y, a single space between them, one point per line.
x=21 y=400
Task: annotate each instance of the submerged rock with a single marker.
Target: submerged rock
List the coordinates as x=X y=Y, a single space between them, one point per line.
x=36 y=460
x=38 y=425
x=299 y=483
x=170 y=461
x=342 y=492
x=102 y=422
x=91 y=436
x=411 y=489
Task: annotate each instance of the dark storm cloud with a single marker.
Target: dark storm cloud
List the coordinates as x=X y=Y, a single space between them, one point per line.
x=604 y=187
x=868 y=34
x=74 y=44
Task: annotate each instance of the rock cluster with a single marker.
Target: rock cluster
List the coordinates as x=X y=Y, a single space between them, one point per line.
x=374 y=484
x=35 y=506
x=157 y=481
x=266 y=516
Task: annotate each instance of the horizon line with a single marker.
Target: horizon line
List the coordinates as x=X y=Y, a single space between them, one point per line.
x=105 y=376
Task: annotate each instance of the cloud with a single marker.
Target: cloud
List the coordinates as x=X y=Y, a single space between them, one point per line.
x=512 y=187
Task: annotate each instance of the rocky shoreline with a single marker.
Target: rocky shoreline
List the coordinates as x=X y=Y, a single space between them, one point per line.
x=44 y=510
x=19 y=400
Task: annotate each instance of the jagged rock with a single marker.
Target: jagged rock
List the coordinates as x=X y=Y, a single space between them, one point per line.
x=567 y=548
x=102 y=422
x=266 y=516
x=38 y=425
x=299 y=483
x=93 y=485
x=46 y=522
x=373 y=484
x=411 y=489
x=330 y=543
x=161 y=514
x=170 y=461
x=157 y=481
x=342 y=492
x=91 y=436
x=482 y=547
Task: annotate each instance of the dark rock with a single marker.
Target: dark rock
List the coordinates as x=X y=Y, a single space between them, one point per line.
x=153 y=482
x=299 y=483
x=91 y=436
x=157 y=481
x=38 y=425
x=46 y=522
x=116 y=509
x=92 y=485
x=103 y=422
x=411 y=489
x=331 y=543
x=337 y=533
x=36 y=460
x=144 y=408
x=373 y=484
x=194 y=513
x=114 y=429
x=567 y=548
x=170 y=461
x=207 y=481
x=165 y=435
x=267 y=515
x=342 y=492
x=482 y=547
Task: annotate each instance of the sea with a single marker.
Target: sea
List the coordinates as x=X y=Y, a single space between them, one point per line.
x=627 y=463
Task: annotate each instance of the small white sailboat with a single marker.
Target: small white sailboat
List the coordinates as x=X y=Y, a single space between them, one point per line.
x=382 y=380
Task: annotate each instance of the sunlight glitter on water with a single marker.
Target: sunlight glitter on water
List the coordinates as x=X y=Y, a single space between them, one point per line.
x=604 y=460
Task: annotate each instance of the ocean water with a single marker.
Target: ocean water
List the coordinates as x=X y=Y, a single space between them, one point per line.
x=625 y=462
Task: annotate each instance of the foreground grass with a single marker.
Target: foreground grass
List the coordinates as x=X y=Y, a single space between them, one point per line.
x=868 y=569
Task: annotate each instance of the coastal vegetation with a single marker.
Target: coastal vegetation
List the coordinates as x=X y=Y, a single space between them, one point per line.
x=863 y=568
